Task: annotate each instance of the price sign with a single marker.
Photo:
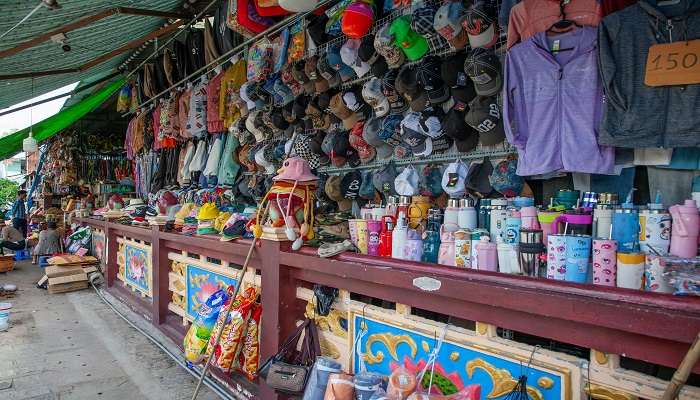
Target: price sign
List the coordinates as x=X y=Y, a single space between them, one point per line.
x=673 y=64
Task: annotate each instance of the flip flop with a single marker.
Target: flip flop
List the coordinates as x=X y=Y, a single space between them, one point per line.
x=333 y=249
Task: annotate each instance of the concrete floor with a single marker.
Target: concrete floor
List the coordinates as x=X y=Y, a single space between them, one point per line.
x=73 y=346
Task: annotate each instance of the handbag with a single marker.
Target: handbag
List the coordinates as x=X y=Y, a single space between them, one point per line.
x=288 y=370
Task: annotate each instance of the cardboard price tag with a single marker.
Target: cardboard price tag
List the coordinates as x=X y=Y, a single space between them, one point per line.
x=673 y=64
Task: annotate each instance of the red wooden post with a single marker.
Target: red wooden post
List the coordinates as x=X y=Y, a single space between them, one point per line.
x=278 y=299
x=112 y=268
x=161 y=267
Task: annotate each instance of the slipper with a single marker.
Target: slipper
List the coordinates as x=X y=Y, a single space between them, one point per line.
x=333 y=249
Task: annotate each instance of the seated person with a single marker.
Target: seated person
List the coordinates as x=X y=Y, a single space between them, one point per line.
x=11 y=238
x=49 y=241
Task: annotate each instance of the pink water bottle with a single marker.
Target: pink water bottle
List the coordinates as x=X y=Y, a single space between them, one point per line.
x=685 y=229
x=487 y=255
x=529 y=218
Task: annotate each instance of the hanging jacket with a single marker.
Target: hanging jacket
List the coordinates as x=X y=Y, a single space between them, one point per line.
x=182 y=59
x=228 y=166
x=215 y=124
x=197 y=113
x=184 y=175
x=637 y=115
x=195 y=49
x=212 y=166
x=211 y=52
x=552 y=105
x=222 y=34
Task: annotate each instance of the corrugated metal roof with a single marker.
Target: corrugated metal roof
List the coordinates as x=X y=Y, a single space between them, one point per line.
x=87 y=43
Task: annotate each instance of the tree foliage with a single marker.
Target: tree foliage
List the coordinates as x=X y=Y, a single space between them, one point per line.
x=8 y=192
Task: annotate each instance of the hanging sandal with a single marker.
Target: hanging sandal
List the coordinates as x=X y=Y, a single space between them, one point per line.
x=333 y=249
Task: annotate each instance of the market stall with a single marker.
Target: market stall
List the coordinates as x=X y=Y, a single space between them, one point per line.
x=446 y=199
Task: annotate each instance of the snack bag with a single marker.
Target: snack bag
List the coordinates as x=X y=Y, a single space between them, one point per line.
x=200 y=331
x=230 y=343
x=401 y=384
x=340 y=387
x=249 y=357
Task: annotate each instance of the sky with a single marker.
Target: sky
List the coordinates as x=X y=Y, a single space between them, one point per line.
x=21 y=119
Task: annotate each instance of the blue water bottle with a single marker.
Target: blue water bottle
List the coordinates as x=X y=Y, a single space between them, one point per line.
x=625 y=227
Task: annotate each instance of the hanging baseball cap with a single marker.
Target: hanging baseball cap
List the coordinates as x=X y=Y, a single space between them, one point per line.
x=422 y=20
x=367 y=190
x=504 y=179
x=448 y=23
x=406 y=183
x=484 y=115
x=370 y=134
x=350 y=185
x=452 y=70
x=298 y=6
x=413 y=45
x=373 y=95
x=384 y=180
x=357 y=141
x=340 y=110
x=366 y=52
x=454 y=179
x=328 y=73
x=390 y=131
x=478 y=177
x=480 y=26
x=384 y=44
x=379 y=68
x=466 y=138
x=396 y=101
x=335 y=61
x=349 y=55
x=430 y=181
x=428 y=75
x=334 y=192
x=484 y=69
x=412 y=136
x=430 y=122
x=357 y=19
x=407 y=85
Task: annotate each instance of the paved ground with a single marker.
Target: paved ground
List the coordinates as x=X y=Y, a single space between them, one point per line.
x=73 y=346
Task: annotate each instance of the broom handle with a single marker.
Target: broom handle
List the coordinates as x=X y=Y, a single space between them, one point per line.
x=227 y=311
x=683 y=371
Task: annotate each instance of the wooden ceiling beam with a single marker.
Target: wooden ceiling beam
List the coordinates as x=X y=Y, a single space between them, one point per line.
x=99 y=60
x=87 y=21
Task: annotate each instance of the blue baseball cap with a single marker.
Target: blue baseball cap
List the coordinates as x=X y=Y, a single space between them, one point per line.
x=336 y=62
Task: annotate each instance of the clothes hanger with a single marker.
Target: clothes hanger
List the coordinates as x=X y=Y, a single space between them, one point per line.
x=562 y=26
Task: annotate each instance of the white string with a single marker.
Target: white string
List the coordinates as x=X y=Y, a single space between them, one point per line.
x=432 y=358
x=22 y=20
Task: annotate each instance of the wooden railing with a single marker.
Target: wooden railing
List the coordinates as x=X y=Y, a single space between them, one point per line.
x=648 y=327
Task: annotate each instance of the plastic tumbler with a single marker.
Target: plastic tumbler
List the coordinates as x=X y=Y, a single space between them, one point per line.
x=604 y=262
x=578 y=251
x=362 y=235
x=374 y=229
x=556 y=257
x=630 y=270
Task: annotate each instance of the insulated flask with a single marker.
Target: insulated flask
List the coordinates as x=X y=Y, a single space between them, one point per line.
x=497 y=224
x=654 y=230
x=484 y=213
x=602 y=220
x=625 y=229
x=530 y=250
x=466 y=218
x=578 y=251
x=431 y=244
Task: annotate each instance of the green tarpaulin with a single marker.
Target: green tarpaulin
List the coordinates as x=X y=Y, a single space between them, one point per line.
x=12 y=144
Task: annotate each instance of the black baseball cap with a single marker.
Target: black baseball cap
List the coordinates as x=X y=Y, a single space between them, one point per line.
x=408 y=86
x=484 y=69
x=484 y=115
x=396 y=101
x=466 y=138
x=350 y=184
x=429 y=76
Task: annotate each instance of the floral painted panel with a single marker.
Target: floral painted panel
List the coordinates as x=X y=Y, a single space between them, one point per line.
x=137 y=271
x=98 y=245
x=386 y=347
x=201 y=284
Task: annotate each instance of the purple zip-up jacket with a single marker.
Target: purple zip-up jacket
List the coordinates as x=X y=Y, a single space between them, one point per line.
x=552 y=111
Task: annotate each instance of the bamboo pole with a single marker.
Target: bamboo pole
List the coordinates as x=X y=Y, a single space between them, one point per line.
x=681 y=375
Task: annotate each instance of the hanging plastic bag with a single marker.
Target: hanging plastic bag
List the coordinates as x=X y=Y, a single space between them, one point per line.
x=297 y=42
x=124 y=99
x=367 y=384
x=259 y=60
x=318 y=379
x=249 y=357
x=197 y=337
x=233 y=329
x=401 y=384
x=340 y=387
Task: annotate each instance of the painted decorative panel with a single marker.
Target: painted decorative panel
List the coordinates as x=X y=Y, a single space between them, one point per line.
x=137 y=268
x=385 y=347
x=99 y=245
x=201 y=283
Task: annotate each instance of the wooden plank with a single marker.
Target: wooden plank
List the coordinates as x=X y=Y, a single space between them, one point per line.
x=43 y=280
x=68 y=287
x=68 y=279
x=54 y=271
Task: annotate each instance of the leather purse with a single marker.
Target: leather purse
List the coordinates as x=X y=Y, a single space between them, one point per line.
x=289 y=369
